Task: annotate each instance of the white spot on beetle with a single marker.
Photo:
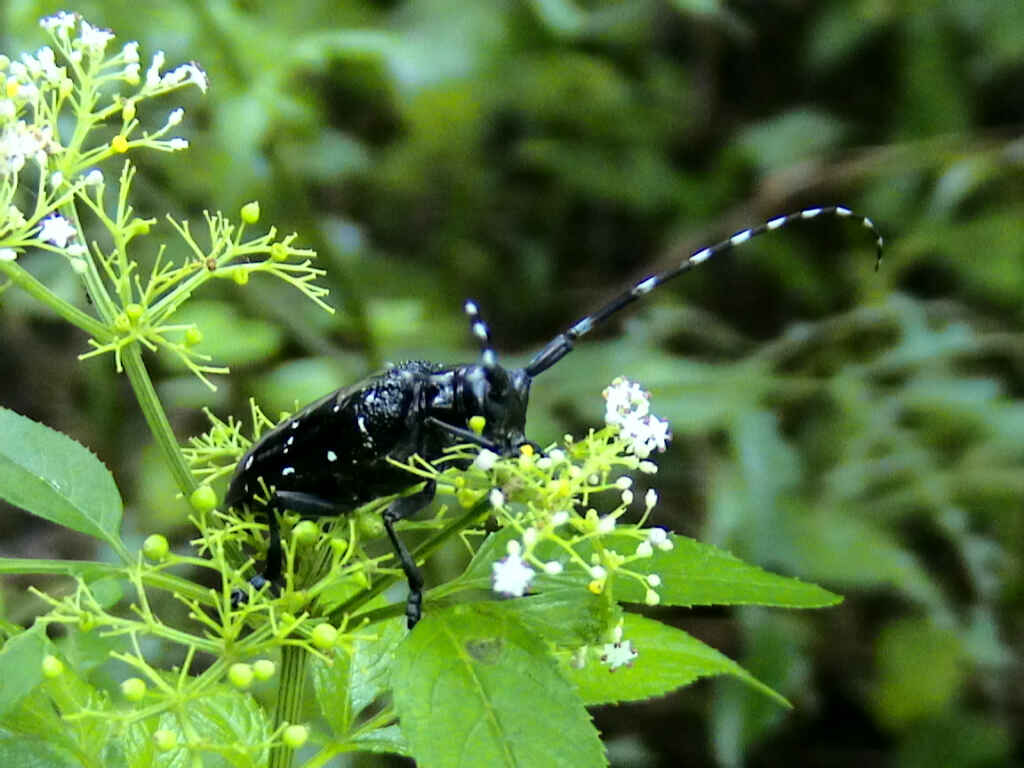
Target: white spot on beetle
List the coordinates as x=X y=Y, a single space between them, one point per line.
x=810 y=213
x=775 y=223
x=295 y=424
x=287 y=471
x=841 y=211
x=248 y=462
x=332 y=456
x=362 y=425
x=582 y=327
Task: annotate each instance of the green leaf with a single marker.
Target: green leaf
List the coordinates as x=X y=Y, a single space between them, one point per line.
x=667 y=658
x=355 y=680
x=570 y=617
x=21 y=666
x=693 y=573
x=387 y=740
x=18 y=752
x=50 y=475
x=479 y=678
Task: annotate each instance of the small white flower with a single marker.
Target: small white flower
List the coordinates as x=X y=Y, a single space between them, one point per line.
x=529 y=538
x=627 y=497
x=644 y=549
x=559 y=518
x=621 y=654
x=175 y=117
x=8 y=254
x=176 y=144
x=656 y=536
x=648 y=467
x=594 y=479
x=485 y=460
x=7 y=109
x=652 y=597
x=607 y=523
x=57 y=230
x=496 y=498
x=56 y=179
x=544 y=462
x=557 y=455
x=623 y=399
x=552 y=568
x=624 y=483
x=597 y=572
x=94 y=38
x=131 y=52
x=61 y=22
x=153 y=73
x=75 y=249
x=650 y=499
x=511 y=576
x=94 y=178
x=654 y=580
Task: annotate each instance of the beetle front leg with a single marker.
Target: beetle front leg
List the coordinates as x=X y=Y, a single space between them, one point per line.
x=400 y=509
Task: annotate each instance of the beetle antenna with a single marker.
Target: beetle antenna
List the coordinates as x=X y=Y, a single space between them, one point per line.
x=562 y=344
x=488 y=357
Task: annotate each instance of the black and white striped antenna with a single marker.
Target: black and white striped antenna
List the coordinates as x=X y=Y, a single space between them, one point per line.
x=562 y=344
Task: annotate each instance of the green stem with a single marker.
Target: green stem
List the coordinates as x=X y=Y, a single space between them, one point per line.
x=24 y=280
x=289 y=700
x=156 y=418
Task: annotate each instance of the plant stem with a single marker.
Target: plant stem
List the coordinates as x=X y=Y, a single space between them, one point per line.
x=24 y=280
x=156 y=417
x=289 y=700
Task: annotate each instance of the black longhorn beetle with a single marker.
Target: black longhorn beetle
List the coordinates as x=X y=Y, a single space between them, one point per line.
x=333 y=455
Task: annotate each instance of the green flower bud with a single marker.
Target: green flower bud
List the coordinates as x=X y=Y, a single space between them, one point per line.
x=251 y=212
x=240 y=675
x=324 y=636
x=155 y=547
x=193 y=336
x=134 y=311
x=165 y=740
x=52 y=667
x=203 y=499
x=295 y=736
x=264 y=669
x=306 y=532
x=240 y=276
x=134 y=688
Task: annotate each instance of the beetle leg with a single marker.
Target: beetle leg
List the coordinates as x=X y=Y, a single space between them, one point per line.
x=400 y=509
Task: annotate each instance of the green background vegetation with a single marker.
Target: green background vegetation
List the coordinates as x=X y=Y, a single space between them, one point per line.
x=863 y=430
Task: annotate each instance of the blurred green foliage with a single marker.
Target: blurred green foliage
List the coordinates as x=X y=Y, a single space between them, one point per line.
x=858 y=429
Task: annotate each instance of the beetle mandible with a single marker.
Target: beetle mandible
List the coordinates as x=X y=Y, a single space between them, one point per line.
x=336 y=453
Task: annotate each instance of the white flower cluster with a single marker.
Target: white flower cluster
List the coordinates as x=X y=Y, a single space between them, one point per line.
x=628 y=406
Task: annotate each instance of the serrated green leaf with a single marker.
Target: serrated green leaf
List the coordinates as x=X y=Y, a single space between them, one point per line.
x=354 y=681
x=693 y=573
x=50 y=475
x=226 y=717
x=21 y=666
x=387 y=740
x=478 y=677
x=667 y=658
x=19 y=752
x=570 y=617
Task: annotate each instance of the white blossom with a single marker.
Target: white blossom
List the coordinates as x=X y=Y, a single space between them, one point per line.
x=650 y=499
x=94 y=38
x=61 y=23
x=176 y=144
x=175 y=117
x=94 y=178
x=57 y=230
x=485 y=460
x=8 y=254
x=131 y=52
x=552 y=568
x=511 y=576
x=496 y=498
x=153 y=73
x=621 y=654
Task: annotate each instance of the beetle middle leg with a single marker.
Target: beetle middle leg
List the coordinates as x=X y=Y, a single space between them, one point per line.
x=310 y=505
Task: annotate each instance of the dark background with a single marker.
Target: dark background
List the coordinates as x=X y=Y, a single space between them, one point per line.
x=863 y=430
